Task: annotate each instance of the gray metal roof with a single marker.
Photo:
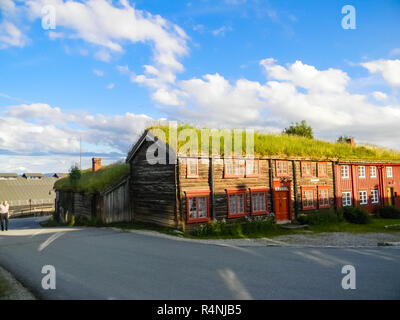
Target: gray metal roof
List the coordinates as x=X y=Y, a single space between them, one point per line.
x=19 y=191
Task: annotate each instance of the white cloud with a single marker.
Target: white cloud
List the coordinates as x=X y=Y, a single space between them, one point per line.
x=110 y=27
x=389 y=69
x=103 y=55
x=379 y=96
x=98 y=73
x=291 y=93
x=395 y=52
x=307 y=77
x=41 y=128
x=110 y=86
x=11 y=36
x=221 y=31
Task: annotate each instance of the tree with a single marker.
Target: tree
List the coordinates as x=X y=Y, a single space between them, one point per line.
x=344 y=139
x=300 y=129
x=74 y=174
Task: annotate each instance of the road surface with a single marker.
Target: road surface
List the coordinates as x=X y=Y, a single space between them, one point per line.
x=104 y=263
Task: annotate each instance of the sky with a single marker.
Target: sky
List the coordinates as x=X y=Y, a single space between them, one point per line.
x=91 y=75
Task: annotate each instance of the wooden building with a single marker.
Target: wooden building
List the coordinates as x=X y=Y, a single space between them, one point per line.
x=186 y=191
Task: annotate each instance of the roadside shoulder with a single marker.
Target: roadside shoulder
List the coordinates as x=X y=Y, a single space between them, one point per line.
x=12 y=289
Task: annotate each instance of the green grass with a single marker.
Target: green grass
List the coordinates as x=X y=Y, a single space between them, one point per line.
x=3 y=288
x=375 y=225
x=287 y=145
x=92 y=182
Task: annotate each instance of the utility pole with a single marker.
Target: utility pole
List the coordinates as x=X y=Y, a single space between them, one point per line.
x=80 y=153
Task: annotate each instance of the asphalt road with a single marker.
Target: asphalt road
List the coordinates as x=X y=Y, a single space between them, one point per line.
x=109 y=264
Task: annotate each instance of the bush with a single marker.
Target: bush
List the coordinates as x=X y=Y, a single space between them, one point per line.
x=388 y=212
x=235 y=229
x=320 y=217
x=356 y=215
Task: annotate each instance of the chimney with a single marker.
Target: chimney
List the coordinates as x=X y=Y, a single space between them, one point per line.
x=350 y=141
x=96 y=164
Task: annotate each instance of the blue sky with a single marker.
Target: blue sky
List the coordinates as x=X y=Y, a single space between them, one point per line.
x=226 y=63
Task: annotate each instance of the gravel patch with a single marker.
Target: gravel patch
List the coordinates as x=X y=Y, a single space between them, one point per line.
x=339 y=239
x=14 y=289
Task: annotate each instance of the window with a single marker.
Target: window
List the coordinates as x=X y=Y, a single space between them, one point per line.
x=389 y=172
x=323 y=197
x=192 y=168
x=372 y=171
x=236 y=203
x=345 y=171
x=252 y=168
x=197 y=206
x=306 y=169
x=258 y=201
x=234 y=168
x=322 y=169
x=361 y=172
x=308 y=198
x=374 y=196
x=346 y=199
x=363 y=197
x=282 y=168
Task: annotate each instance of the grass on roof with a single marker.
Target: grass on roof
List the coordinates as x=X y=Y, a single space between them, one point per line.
x=288 y=145
x=93 y=182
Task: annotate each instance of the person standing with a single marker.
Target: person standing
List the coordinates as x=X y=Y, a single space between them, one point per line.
x=4 y=208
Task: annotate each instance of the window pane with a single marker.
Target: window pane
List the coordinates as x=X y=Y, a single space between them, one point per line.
x=192 y=208
x=255 y=202
x=261 y=197
x=232 y=204
x=240 y=203
x=202 y=207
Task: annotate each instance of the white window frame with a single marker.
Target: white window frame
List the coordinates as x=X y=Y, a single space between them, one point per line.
x=389 y=173
x=372 y=171
x=345 y=171
x=346 y=200
x=363 y=195
x=361 y=172
x=374 y=196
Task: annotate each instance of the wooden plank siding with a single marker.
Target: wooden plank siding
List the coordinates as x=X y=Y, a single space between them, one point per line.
x=116 y=203
x=153 y=190
x=217 y=184
x=315 y=180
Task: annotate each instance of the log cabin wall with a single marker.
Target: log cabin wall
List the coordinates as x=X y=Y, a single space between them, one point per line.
x=153 y=190
x=211 y=180
x=76 y=204
x=315 y=181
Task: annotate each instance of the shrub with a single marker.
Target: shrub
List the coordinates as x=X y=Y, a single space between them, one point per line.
x=388 y=212
x=320 y=217
x=235 y=229
x=356 y=215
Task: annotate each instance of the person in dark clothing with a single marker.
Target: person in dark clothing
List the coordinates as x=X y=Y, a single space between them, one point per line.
x=4 y=208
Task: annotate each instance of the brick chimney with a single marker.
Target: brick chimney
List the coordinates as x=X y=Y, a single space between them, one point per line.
x=96 y=164
x=351 y=142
